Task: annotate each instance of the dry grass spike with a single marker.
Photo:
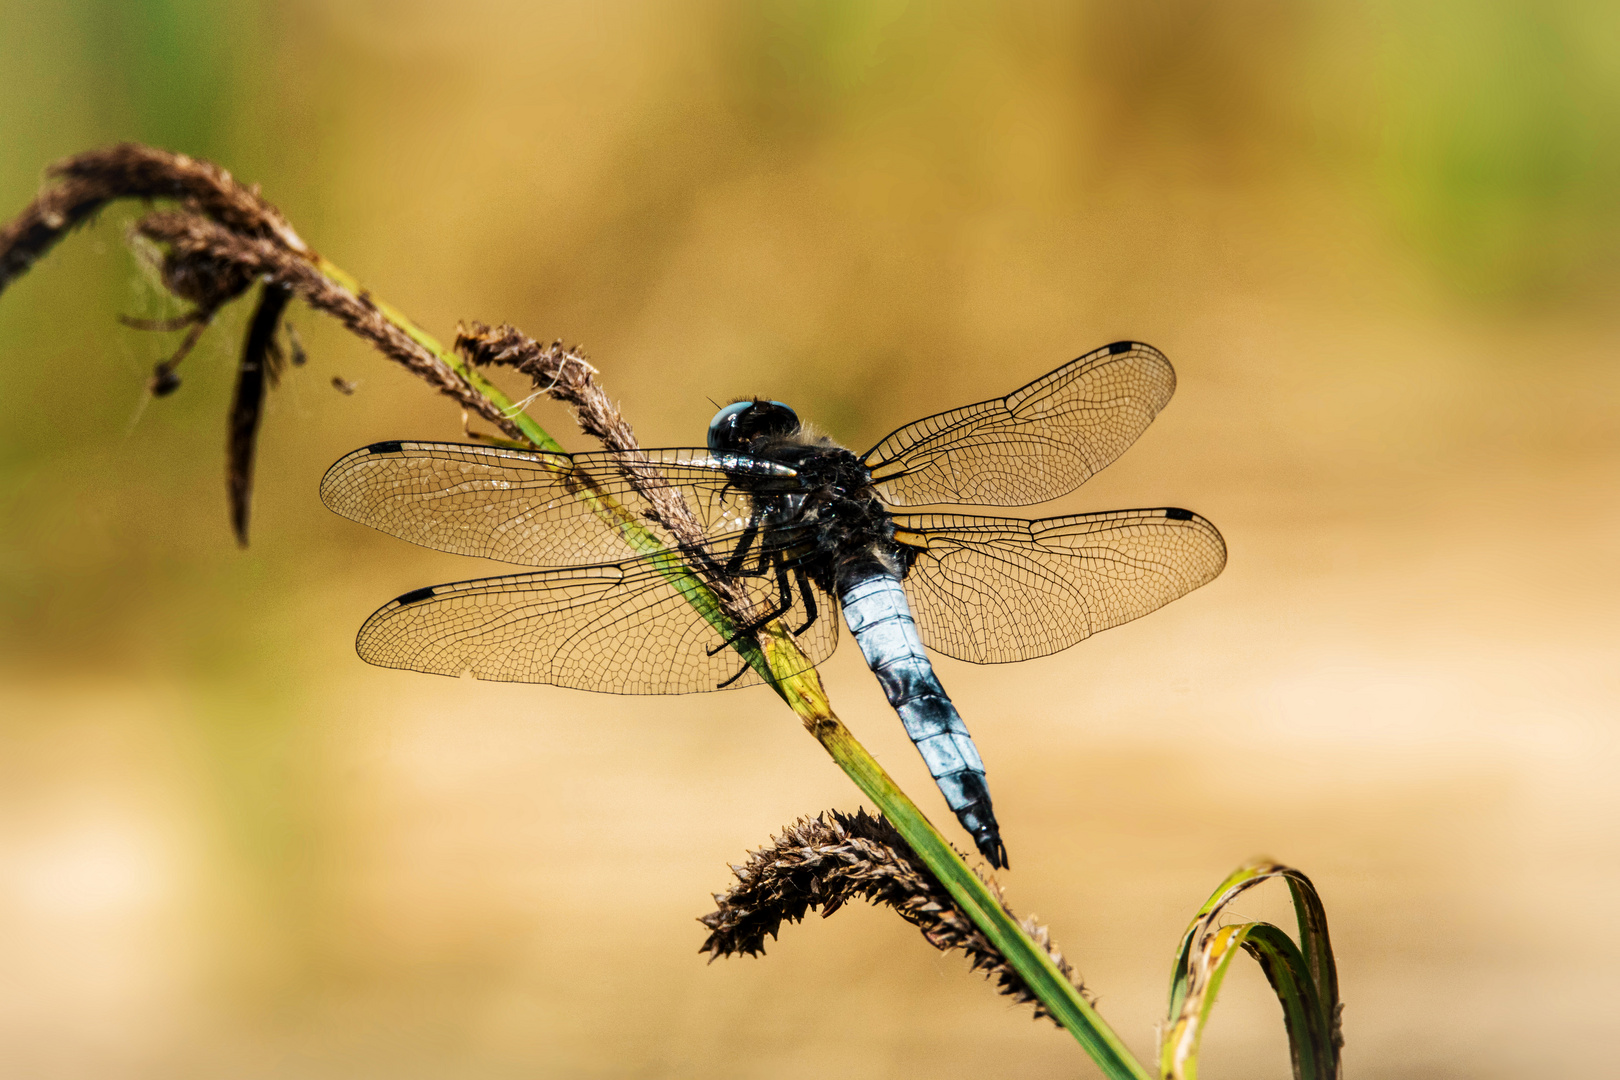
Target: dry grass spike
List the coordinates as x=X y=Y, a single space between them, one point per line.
x=826 y=861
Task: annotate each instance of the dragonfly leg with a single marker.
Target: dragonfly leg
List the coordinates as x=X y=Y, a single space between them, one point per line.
x=740 y=673
x=784 y=603
x=810 y=611
x=734 y=564
x=700 y=557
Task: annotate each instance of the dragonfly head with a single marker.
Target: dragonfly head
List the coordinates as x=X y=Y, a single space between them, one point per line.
x=735 y=427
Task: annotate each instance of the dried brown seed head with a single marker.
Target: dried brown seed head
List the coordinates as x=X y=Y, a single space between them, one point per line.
x=826 y=861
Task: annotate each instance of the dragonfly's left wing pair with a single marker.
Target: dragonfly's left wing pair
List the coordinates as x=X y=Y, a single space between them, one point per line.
x=614 y=623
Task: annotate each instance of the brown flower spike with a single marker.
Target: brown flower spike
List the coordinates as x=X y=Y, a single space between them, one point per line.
x=826 y=861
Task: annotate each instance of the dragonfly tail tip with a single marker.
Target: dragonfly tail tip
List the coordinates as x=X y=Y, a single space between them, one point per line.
x=987 y=837
x=994 y=851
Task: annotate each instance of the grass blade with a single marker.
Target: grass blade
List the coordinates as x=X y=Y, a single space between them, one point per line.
x=1303 y=976
x=257 y=370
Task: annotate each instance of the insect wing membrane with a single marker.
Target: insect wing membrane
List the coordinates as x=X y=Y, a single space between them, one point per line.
x=995 y=590
x=532 y=508
x=1036 y=444
x=623 y=628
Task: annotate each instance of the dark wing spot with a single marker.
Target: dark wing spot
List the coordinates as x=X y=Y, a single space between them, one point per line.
x=415 y=596
x=386 y=447
x=1175 y=513
x=1120 y=346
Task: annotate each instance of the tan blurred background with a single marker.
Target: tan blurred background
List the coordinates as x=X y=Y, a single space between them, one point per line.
x=1379 y=242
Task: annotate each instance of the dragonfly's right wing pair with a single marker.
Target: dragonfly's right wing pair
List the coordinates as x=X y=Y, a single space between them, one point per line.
x=984 y=589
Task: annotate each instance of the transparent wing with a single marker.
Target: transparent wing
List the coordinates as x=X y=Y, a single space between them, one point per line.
x=993 y=590
x=623 y=628
x=523 y=507
x=1035 y=444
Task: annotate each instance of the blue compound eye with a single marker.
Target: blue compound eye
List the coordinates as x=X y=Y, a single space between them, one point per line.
x=740 y=423
x=724 y=420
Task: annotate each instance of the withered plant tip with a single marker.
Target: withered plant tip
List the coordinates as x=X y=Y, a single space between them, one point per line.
x=222 y=237
x=79 y=186
x=197 y=245
x=826 y=861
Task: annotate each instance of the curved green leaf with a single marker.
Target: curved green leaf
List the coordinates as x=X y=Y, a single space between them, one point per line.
x=1303 y=976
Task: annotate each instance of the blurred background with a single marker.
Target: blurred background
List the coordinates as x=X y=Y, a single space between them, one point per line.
x=1377 y=239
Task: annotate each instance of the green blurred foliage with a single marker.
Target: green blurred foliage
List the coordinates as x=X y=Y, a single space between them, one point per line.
x=1498 y=152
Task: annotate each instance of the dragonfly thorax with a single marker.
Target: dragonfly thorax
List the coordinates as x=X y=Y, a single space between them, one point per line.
x=827 y=468
x=848 y=523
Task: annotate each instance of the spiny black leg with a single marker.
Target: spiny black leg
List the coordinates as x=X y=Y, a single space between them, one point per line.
x=784 y=592
x=811 y=612
x=735 y=563
x=784 y=603
x=701 y=557
x=784 y=588
x=786 y=600
x=768 y=558
x=740 y=673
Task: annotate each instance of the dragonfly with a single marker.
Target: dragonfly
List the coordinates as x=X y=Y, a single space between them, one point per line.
x=782 y=529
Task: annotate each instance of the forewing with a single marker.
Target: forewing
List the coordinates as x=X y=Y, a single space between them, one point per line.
x=624 y=628
x=1037 y=443
x=530 y=508
x=993 y=590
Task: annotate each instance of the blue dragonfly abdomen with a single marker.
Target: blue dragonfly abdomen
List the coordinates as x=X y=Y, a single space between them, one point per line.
x=879 y=618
